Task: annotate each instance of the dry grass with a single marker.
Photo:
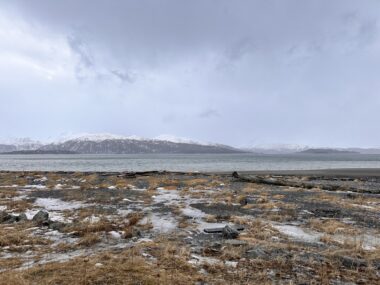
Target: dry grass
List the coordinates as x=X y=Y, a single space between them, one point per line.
x=83 y=228
x=18 y=205
x=89 y=239
x=18 y=236
x=332 y=227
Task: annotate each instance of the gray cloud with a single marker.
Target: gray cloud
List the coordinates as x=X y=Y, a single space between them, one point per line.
x=273 y=71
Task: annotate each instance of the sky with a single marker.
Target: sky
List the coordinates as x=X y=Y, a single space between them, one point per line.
x=242 y=72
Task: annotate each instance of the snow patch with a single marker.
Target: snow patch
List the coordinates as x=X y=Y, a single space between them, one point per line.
x=298 y=233
x=57 y=204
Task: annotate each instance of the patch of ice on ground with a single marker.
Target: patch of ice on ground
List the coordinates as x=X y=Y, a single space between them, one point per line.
x=19 y=198
x=39 y=187
x=161 y=223
x=298 y=233
x=124 y=213
x=133 y=201
x=57 y=204
x=168 y=197
x=367 y=241
x=91 y=219
x=2 y=208
x=193 y=213
x=112 y=187
x=115 y=234
x=9 y=186
x=199 y=260
x=205 y=225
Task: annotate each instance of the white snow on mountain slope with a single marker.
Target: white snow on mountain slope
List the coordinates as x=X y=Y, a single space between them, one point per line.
x=21 y=143
x=97 y=137
x=106 y=136
x=278 y=148
x=175 y=139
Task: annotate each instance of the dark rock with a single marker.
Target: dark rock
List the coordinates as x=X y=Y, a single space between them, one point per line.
x=22 y=218
x=4 y=217
x=41 y=218
x=220 y=230
x=57 y=226
x=235 y=174
x=352 y=263
x=230 y=233
x=243 y=201
x=257 y=253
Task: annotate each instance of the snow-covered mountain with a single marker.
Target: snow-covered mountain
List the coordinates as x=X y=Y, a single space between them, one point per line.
x=17 y=144
x=116 y=144
x=278 y=148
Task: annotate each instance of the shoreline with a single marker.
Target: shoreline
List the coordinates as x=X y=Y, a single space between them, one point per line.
x=333 y=172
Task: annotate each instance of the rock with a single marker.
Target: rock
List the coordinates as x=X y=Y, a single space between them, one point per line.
x=4 y=217
x=243 y=200
x=235 y=174
x=257 y=253
x=220 y=230
x=57 y=226
x=229 y=233
x=41 y=218
x=353 y=263
x=22 y=217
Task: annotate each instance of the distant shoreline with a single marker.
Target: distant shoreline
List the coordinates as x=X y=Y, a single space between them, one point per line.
x=338 y=172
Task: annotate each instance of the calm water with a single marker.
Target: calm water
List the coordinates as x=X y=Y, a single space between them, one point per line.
x=180 y=162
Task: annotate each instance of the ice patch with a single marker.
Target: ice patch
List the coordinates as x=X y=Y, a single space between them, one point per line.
x=115 y=234
x=92 y=219
x=168 y=197
x=57 y=204
x=298 y=233
x=2 y=208
x=199 y=260
x=193 y=213
x=123 y=212
x=160 y=223
x=39 y=187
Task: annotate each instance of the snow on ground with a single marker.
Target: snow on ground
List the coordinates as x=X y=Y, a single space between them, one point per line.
x=58 y=205
x=297 y=233
x=168 y=197
x=39 y=187
x=367 y=241
x=160 y=223
x=193 y=213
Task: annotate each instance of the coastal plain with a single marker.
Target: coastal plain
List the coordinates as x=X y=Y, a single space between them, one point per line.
x=311 y=227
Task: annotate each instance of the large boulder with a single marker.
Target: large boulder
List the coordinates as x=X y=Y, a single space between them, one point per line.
x=42 y=217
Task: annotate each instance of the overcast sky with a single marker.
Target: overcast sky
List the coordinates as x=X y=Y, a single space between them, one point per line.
x=235 y=72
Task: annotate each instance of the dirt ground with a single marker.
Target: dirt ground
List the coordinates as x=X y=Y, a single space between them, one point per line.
x=189 y=228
